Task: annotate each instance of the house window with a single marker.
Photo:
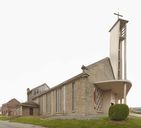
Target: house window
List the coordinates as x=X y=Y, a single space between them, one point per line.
x=73 y=96
x=58 y=100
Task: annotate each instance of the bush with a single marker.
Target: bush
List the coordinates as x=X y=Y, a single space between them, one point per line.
x=118 y=112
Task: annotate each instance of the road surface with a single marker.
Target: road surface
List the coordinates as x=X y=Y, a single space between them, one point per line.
x=6 y=124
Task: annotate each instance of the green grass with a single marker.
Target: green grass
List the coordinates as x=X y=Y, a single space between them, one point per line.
x=97 y=123
x=5 y=118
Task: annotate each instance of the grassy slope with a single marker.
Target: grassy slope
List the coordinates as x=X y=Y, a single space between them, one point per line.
x=97 y=123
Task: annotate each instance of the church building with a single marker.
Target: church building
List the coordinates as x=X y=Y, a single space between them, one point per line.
x=91 y=92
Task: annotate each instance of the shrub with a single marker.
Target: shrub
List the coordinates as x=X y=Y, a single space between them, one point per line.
x=118 y=112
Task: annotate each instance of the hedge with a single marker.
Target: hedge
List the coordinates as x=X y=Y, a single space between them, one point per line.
x=118 y=112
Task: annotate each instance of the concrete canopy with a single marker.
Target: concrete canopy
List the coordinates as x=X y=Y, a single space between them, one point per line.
x=116 y=86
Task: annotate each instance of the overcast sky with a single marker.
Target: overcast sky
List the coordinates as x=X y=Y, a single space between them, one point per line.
x=47 y=41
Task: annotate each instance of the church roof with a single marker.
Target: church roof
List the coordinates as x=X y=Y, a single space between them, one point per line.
x=65 y=82
x=83 y=74
x=99 y=62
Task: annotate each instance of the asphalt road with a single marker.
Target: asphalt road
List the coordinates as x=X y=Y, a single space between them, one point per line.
x=6 y=124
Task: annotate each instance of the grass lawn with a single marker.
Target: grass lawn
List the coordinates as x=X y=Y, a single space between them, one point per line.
x=5 y=118
x=97 y=123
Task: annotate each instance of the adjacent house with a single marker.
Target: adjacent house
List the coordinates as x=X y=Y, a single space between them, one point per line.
x=30 y=108
x=27 y=109
x=7 y=108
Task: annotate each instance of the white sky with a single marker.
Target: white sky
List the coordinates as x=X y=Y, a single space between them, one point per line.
x=47 y=41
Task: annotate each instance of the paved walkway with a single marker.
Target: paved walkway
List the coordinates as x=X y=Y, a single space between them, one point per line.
x=6 y=124
x=135 y=115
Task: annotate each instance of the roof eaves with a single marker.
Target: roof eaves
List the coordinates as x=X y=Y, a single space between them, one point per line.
x=81 y=75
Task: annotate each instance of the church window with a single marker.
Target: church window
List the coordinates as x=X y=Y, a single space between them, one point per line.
x=98 y=99
x=58 y=100
x=48 y=102
x=73 y=96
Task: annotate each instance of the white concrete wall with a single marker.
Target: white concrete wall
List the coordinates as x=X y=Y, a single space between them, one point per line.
x=114 y=45
x=113 y=98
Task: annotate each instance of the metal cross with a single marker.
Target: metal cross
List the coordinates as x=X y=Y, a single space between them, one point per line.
x=118 y=15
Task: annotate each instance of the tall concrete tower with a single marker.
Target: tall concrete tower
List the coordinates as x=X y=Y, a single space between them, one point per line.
x=118 y=48
x=118 y=51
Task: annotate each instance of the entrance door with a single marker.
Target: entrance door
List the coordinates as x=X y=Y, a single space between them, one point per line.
x=31 y=111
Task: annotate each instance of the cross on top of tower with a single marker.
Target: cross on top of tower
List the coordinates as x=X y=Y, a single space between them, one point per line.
x=118 y=15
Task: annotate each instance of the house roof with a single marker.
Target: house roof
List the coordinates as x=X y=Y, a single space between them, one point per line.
x=7 y=103
x=13 y=100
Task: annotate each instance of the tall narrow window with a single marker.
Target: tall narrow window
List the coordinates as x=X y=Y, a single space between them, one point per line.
x=58 y=100
x=64 y=99
x=44 y=104
x=73 y=96
x=41 y=104
x=48 y=102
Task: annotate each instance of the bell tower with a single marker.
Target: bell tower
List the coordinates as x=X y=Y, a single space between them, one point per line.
x=118 y=48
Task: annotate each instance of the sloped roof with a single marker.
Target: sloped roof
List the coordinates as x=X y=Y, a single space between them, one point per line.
x=30 y=104
x=9 y=102
x=63 y=83
x=100 y=62
x=83 y=74
x=13 y=100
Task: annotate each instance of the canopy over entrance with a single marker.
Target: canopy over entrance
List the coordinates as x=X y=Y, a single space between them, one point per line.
x=116 y=86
